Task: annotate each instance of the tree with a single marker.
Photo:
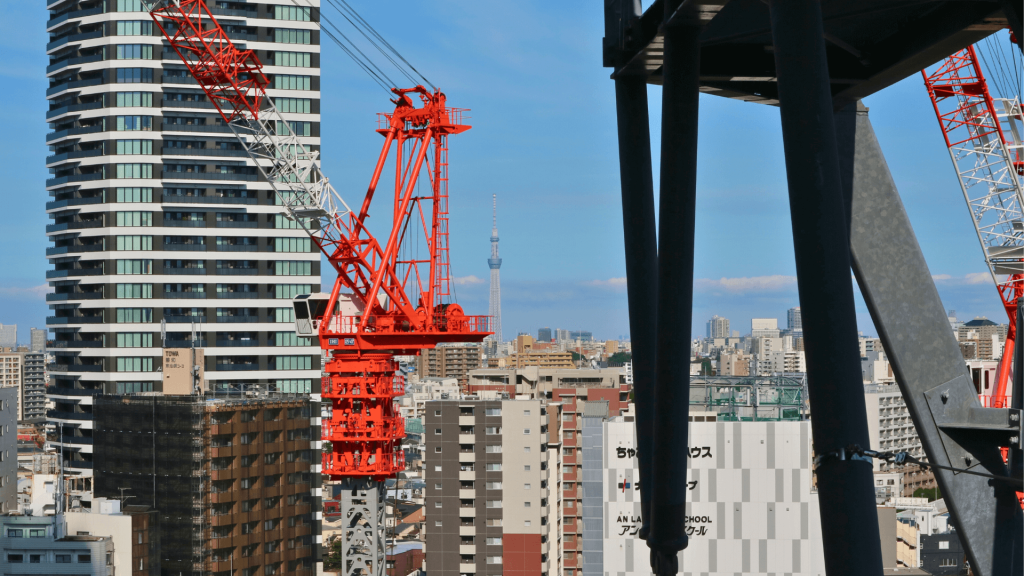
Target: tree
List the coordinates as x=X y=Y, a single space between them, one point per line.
x=620 y=358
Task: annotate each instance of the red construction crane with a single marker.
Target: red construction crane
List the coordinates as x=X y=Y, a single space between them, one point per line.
x=983 y=136
x=387 y=300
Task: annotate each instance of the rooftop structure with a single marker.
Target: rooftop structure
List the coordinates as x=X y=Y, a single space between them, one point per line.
x=747 y=398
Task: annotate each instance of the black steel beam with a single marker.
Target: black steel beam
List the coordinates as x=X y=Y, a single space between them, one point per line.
x=639 y=232
x=838 y=418
x=676 y=221
x=924 y=354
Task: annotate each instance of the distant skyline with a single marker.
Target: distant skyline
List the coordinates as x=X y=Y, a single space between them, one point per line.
x=544 y=139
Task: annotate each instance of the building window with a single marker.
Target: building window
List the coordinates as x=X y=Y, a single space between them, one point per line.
x=492 y=430
x=437 y=523
x=292 y=268
x=526 y=504
x=134 y=75
x=130 y=6
x=437 y=486
x=134 y=171
x=133 y=52
x=494 y=466
x=293 y=105
x=437 y=504
x=289 y=36
x=291 y=244
x=526 y=468
x=437 y=412
x=437 y=449
x=133 y=28
x=494 y=503
x=437 y=431
x=296 y=13
x=290 y=291
x=494 y=559
x=15 y=558
x=133 y=219
x=526 y=448
x=135 y=364
x=527 y=523
x=132 y=243
x=134 y=123
x=134 y=147
x=526 y=487
x=134 y=267
x=85 y=558
x=135 y=195
x=494 y=541
x=293 y=127
x=135 y=340
x=492 y=412
x=292 y=59
x=526 y=431
x=292 y=363
x=494 y=449
x=291 y=82
x=437 y=468
x=134 y=315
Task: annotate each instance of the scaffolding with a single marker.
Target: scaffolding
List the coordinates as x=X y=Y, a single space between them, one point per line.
x=153 y=440
x=750 y=398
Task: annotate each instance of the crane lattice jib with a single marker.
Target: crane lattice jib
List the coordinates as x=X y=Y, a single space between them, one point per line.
x=983 y=138
x=234 y=82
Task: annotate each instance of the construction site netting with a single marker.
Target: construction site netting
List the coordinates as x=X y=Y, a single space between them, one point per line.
x=749 y=398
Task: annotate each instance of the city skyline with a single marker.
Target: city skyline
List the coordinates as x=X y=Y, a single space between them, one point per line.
x=562 y=235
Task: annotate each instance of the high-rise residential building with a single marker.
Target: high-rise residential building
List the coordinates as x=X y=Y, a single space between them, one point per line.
x=492 y=488
x=891 y=428
x=449 y=360
x=8 y=336
x=8 y=446
x=235 y=483
x=764 y=327
x=718 y=327
x=544 y=334
x=581 y=335
x=25 y=372
x=38 y=342
x=794 y=323
x=33 y=387
x=561 y=335
x=159 y=216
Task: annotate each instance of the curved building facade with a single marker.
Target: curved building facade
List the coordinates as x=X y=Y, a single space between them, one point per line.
x=160 y=224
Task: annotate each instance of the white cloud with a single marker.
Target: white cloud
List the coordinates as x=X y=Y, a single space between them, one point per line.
x=972 y=278
x=753 y=284
x=617 y=283
x=30 y=293
x=468 y=280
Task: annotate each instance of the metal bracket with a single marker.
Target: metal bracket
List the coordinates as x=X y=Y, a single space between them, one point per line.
x=955 y=409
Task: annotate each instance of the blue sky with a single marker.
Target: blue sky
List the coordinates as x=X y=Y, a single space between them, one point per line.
x=543 y=140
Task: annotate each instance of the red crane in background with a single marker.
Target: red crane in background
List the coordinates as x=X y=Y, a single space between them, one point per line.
x=983 y=135
x=390 y=299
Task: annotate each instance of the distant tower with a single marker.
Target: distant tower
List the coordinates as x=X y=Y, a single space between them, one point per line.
x=495 y=263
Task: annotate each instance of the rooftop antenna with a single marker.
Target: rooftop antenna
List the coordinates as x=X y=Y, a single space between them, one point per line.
x=123 y=497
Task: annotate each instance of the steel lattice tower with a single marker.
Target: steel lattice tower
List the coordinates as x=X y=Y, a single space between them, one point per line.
x=494 y=262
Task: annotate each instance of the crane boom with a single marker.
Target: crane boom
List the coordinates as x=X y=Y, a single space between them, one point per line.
x=386 y=300
x=983 y=135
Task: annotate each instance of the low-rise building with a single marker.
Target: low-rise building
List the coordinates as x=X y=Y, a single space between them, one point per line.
x=47 y=543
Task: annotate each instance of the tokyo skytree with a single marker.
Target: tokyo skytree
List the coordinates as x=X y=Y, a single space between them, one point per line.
x=494 y=262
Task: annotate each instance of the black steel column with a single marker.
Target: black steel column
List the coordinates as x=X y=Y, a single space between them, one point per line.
x=821 y=244
x=641 y=263
x=680 y=95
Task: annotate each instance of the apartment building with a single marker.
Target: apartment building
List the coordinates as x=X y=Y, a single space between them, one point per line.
x=8 y=451
x=235 y=483
x=449 y=360
x=492 y=494
x=890 y=428
x=147 y=181
x=26 y=372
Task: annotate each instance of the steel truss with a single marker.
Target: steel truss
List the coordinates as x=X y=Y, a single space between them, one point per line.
x=983 y=136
